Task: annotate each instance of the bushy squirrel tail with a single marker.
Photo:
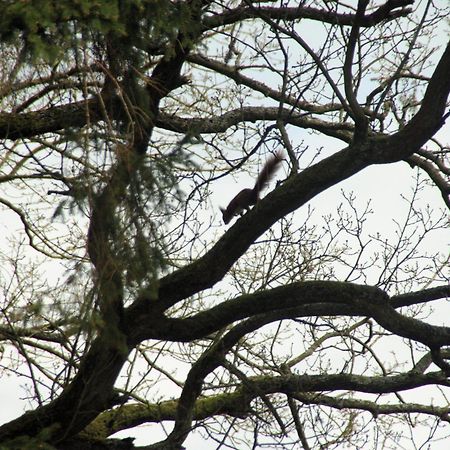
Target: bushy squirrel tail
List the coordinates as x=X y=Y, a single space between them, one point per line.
x=267 y=172
x=248 y=197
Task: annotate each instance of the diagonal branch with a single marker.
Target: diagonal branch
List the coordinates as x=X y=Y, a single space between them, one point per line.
x=301 y=188
x=428 y=120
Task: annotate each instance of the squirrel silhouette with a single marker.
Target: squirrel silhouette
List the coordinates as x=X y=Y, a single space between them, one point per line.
x=248 y=197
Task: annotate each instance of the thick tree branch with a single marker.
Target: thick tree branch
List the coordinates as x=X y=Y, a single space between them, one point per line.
x=289 y=384
x=91 y=390
x=89 y=393
x=15 y=126
x=299 y=189
x=279 y=302
x=280 y=299
x=24 y=125
x=238 y=403
x=428 y=120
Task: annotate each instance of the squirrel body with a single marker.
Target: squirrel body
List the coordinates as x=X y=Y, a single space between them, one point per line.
x=249 y=197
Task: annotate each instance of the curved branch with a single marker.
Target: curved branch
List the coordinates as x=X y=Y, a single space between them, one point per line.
x=298 y=300
x=384 y=12
x=24 y=125
x=281 y=299
x=430 y=156
x=435 y=175
x=206 y=364
x=428 y=120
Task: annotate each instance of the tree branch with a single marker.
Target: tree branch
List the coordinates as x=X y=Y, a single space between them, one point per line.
x=428 y=120
x=435 y=175
x=422 y=296
x=384 y=13
x=375 y=408
x=304 y=388
x=356 y=111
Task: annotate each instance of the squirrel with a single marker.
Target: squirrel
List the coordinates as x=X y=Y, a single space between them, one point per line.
x=248 y=197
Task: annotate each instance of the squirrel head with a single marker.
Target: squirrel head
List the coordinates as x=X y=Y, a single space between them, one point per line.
x=225 y=216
